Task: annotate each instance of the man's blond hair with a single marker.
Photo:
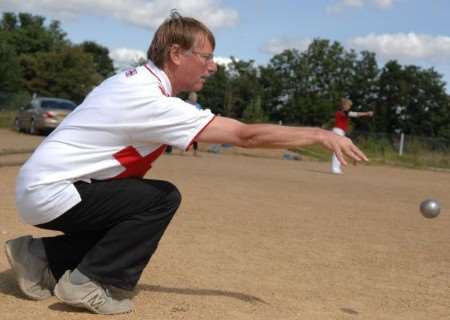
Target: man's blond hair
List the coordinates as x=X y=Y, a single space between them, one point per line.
x=344 y=101
x=178 y=30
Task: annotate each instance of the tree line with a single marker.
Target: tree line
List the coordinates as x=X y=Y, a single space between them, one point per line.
x=38 y=58
x=293 y=88
x=306 y=87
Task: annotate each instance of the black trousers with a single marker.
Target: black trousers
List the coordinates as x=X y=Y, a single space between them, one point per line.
x=112 y=233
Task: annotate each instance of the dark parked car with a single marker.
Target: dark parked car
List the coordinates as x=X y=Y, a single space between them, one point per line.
x=42 y=114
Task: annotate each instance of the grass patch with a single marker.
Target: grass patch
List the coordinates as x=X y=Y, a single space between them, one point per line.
x=381 y=151
x=315 y=152
x=7 y=119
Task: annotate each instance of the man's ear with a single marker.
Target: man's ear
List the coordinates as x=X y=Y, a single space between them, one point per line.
x=175 y=54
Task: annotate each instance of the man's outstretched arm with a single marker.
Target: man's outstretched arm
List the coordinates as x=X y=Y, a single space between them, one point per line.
x=227 y=130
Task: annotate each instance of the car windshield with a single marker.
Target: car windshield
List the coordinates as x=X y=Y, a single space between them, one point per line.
x=58 y=104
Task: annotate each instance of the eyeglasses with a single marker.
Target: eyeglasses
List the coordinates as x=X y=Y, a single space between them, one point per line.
x=206 y=56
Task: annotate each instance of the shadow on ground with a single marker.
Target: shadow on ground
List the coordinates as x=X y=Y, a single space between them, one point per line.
x=62 y=307
x=203 y=292
x=8 y=284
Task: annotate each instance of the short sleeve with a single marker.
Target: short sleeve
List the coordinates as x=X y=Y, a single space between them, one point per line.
x=168 y=120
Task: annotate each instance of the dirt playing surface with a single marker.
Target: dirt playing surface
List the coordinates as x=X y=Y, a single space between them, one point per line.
x=266 y=238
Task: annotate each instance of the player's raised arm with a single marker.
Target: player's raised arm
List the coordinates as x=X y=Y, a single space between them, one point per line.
x=227 y=130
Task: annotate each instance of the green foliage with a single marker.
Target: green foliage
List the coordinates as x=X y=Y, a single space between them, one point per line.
x=39 y=59
x=242 y=87
x=69 y=73
x=28 y=33
x=213 y=95
x=418 y=153
x=9 y=68
x=380 y=150
x=7 y=119
x=254 y=113
x=364 y=89
x=412 y=100
x=13 y=101
x=232 y=89
x=100 y=55
x=305 y=88
x=310 y=83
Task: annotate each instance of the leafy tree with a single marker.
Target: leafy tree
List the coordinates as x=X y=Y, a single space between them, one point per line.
x=278 y=84
x=28 y=33
x=46 y=62
x=103 y=63
x=444 y=129
x=213 y=94
x=8 y=22
x=9 y=69
x=242 y=87
x=325 y=74
x=365 y=88
x=254 y=113
x=412 y=100
x=231 y=88
x=311 y=82
x=69 y=73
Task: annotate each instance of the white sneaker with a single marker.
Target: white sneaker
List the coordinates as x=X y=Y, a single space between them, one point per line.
x=90 y=295
x=32 y=273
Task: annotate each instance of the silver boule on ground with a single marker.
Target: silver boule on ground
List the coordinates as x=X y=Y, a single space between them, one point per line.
x=430 y=208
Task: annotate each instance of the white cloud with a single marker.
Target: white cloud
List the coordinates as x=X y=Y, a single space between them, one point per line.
x=275 y=46
x=406 y=47
x=341 y=5
x=142 y=13
x=124 y=58
x=384 y=3
x=222 y=61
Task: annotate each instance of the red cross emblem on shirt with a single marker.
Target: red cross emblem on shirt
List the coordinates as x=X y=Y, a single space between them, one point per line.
x=136 y=165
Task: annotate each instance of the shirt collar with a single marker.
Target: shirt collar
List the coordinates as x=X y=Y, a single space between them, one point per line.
x=161 y=75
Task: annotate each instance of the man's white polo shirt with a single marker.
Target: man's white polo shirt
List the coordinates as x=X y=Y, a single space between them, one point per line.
x=121 y=127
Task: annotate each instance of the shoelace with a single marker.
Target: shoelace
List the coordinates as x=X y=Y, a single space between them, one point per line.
x=107 y=291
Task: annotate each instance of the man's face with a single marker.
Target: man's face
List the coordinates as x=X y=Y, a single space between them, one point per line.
x=347 y=106
x=196 y=65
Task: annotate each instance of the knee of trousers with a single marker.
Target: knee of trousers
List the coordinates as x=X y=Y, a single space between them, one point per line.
x=173 y=196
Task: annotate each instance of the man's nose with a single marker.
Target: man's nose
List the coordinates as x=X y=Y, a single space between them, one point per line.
x=212 y=67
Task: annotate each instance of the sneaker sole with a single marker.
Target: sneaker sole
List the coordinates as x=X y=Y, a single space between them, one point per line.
x=14 y=267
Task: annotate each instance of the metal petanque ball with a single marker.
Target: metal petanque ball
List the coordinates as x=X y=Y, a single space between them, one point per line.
x=430 y=208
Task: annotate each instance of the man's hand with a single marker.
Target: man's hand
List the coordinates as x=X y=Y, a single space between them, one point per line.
x=341 y=146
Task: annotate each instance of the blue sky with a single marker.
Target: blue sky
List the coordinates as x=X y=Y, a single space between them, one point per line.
x=411 y=31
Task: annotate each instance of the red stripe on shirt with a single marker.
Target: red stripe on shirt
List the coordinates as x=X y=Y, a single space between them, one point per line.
x=204 y=127
x=136 y=165
x=161 y=87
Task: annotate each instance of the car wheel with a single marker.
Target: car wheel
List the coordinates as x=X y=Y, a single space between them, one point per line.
x=33 y=129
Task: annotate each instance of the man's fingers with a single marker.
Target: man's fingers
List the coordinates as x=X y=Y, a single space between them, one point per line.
x=355 y=154
x=341 y=157
x=359 y=153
